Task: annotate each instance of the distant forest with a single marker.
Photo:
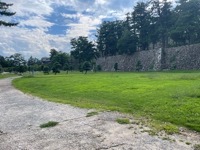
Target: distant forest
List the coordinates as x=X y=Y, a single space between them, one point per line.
x=151 y=24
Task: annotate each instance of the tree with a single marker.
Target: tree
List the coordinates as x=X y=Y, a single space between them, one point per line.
x=3 y=61
x=127 y=44
x=18 y=62
x=53 y=53
x=141 y=24
x=66 y=67
x=86 y=66
x=116 y=67
x=83 y=50
x=56 y=68
x=186 y=29
x=46 y=70
x=161 y=11
x=4 y=12
x=107 y=37
x=1 y=69
x=34 y=64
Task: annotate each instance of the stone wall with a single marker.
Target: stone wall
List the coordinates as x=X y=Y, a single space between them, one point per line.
x=181 y=58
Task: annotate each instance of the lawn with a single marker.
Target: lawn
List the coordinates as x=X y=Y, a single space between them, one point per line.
x=6 y=75
x=166 y=97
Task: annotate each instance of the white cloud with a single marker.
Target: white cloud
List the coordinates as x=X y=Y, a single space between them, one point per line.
x=36 y=21
x=36 y=41
x=83 y=27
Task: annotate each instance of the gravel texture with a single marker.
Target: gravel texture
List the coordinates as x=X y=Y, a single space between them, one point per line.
x=21 y=116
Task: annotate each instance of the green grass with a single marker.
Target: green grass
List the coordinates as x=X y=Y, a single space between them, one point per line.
x=172 y=97
x=197 y=147
x=90 y=114
x=123 y=121
x=49 y=124
x=6 y=75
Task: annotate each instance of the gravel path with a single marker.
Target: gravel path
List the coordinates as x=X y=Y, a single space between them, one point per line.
x=21 y=115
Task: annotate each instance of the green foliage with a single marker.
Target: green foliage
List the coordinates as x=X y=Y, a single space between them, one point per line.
x=66 y=67
x=138 y=65
x=49 y=124
x=127 y=44
x=108 y=35
x=1 y=69
x=56 y=68
x=46 y=70
x=116 y=67
x=98 y=68
x=197 y=147
x=171 y=97
x=82 y=49
x=4 y=12
x=123 y=121
x=90 y=114
x=86 y=66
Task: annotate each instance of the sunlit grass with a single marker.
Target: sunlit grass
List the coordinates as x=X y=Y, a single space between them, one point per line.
x=172 y=97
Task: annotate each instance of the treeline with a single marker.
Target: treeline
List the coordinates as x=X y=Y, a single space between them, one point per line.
x=149 y=24
x=56 y=62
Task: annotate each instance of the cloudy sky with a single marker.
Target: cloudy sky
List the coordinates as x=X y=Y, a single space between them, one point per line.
x=46 y=24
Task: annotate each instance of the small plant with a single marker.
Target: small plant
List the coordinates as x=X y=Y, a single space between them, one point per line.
x=49 y=124
x=123 y=121
x=139 y=66
x=197 y=147
x=188 y=143
x=90 y=114
x=116 y=66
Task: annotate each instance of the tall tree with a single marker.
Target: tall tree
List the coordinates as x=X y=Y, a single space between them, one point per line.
x=141 y=22
x=127 y=44
x=186 y=29
x=83 y=49
x=107 y=37
x=4 y=12
x=161 y=11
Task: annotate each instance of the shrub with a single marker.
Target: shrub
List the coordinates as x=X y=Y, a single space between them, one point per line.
x=116 y=66
x=46 y=70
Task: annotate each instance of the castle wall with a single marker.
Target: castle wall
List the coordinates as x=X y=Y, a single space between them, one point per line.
x=180 y=58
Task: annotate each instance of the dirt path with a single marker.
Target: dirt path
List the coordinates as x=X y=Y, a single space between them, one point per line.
x=21 y=116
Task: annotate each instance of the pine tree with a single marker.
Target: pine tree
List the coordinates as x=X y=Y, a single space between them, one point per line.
x=4 y=12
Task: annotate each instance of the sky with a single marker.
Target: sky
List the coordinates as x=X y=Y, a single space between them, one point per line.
x=47 y=24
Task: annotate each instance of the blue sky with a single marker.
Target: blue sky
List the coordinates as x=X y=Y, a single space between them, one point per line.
x=46 y=24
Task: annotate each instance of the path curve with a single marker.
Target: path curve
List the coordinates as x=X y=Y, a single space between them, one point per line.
x=21 y=116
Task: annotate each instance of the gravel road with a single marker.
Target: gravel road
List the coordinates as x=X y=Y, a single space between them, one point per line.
x=21 y=116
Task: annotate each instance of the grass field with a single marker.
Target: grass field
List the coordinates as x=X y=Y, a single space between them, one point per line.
x=6 y=76
x=172 y=97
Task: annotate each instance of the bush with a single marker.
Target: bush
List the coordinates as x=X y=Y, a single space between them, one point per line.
x=46 y=70
x=116 y=66
x=138 y=66
x=99 y=68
